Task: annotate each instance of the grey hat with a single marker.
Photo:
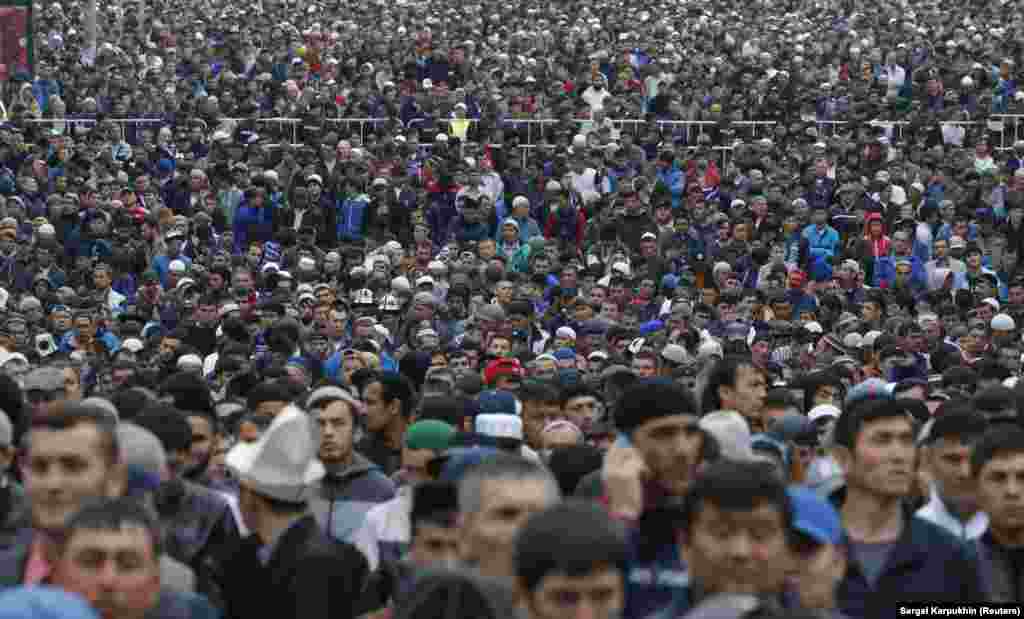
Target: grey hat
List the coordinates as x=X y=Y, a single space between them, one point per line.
x=491 y=313
x=46 y=378
x=140 y=449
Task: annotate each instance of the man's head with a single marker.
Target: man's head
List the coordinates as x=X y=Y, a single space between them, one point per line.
x=433 y=536
x=389 y=401
x=570 y=561
x=541 y=406
x=71 y=458
x=110 y=555
x=947 y=450
x=335 y=413
x=660 y=420
x=734 y=529
x=496 y=497
x=423 y=442
x=874 y=444
x=997 y=466
x=734 y=383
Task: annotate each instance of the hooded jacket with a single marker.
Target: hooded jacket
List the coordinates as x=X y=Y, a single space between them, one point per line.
x=343 y=497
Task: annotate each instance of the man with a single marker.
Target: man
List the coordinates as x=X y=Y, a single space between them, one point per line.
x=385 y=534
x=819 y=549
x=997 y=467
x=894 y=555
x=733 y=532
x=496 y=497
x=735 y=384
x=110 y=555
x=71 y=458
x=541 y=406
x=581 y=406
x=199 y=523
x=655 y=461
x=571 y=562
x=946 y=452
x=288 y=567
x=390 y=402
x=352 y=484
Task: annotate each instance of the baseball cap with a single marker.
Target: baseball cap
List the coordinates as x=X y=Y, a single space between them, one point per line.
x=815 y=517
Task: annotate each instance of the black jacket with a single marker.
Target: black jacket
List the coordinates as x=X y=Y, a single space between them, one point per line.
x=308 y=575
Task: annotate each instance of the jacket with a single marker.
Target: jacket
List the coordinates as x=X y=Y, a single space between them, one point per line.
x=342 y=499
x=1002 y=570
x=307 y=575
x=384 y=536
x=181 y=605
x=927 y=566
x=935 y=511
x=353 y=217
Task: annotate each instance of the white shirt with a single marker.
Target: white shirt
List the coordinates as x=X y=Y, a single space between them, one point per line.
x=595 y=98
x=935 y=511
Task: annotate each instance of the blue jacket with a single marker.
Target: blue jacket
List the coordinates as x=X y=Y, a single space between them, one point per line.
x=927 y=566
x=252 y=224
x=353 y=217
x=675 y=181
x=342 y=499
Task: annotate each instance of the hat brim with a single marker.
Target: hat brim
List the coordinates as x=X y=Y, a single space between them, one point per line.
x=240 y=460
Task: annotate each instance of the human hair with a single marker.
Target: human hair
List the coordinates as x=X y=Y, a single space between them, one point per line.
x=189 y=392
x=850 y=424
x=537 y=391
x=778 y=399
x=66 y=415
x=723 y=374
x=449 y=409
x=394 y=385
x=112 y=515
x=452 y=593
x=735 y=486
x=501 y=468
x=433 y=503
x=270 y=391
x=168 y=424
x=577 y=390
x=573 y=538
x=1001 y=441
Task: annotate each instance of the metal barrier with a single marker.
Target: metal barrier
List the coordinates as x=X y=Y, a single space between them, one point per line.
x=996 y=123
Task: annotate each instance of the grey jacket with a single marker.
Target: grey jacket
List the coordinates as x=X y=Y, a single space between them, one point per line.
x=1002 y=570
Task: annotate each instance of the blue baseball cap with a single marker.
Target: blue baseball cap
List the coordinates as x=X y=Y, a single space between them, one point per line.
x=497 y=402
x=814 y=516
x=457 y=461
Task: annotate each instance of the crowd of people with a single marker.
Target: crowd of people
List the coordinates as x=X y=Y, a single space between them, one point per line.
x=574 y=309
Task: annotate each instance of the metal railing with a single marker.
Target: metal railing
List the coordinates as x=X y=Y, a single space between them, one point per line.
x=1010 y=127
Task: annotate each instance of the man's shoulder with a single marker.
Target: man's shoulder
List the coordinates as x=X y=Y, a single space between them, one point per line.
x=182 y=605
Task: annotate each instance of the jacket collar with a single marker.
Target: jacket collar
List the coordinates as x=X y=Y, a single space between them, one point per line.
x=911 y=549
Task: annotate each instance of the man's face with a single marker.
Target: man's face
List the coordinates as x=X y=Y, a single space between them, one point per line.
x=949 y=465
x=202 y=446
x=64 y=470
x=1000 y=487
x=378 y=412
x=116 y=571
x=737 y=551
x=747 y=395
x=883 y=459
x=336 y=432
x=599 y=593
x=671 y=448
x=487 y=537
x=434 y=545
x=582 y=411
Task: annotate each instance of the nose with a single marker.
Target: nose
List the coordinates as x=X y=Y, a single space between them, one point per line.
x=738 y=548
x=586 y=609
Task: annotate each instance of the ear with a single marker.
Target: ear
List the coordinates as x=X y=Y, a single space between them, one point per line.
x=117 y=481
x=843 y=456
x=683 y=544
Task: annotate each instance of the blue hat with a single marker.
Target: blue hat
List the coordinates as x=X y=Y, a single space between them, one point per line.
x=44 y=603
x=651 y=326
x=459 y=460
x=670 y=281
x=871 y=389
x=497 y=402
x=565 y=354
x=814 y=516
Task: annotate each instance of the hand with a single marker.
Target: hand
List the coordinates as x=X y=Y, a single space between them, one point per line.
x=624 y=473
